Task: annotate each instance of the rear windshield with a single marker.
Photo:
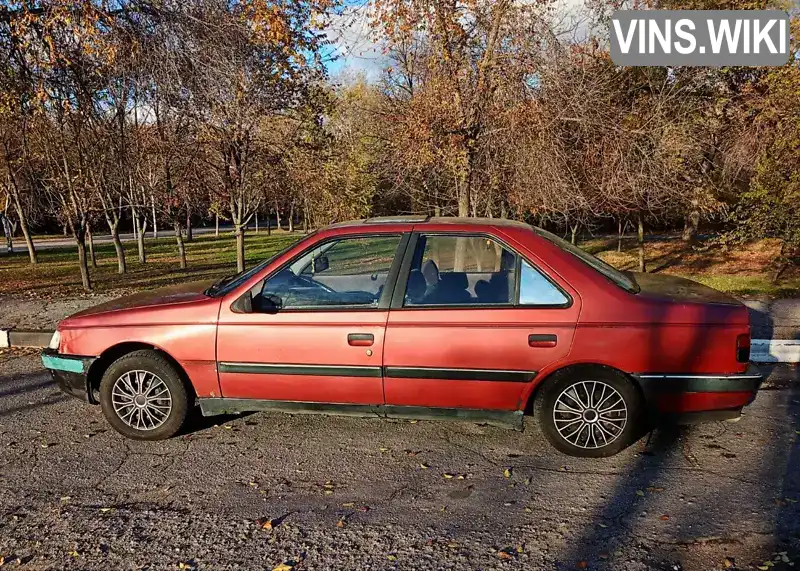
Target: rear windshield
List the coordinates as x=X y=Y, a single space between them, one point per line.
x=623 y=280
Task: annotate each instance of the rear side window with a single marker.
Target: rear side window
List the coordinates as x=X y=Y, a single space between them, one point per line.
x=474 y=270
x=535 y=289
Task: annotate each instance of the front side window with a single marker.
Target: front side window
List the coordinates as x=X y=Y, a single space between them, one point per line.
x=350 y=272
x=458 y=270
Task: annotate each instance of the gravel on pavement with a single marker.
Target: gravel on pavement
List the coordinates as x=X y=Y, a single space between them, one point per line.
x=350 y=493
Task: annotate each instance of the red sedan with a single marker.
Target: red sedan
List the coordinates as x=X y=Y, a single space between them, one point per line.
x=425 y=318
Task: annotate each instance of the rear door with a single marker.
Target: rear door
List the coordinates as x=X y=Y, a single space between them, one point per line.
x=317 y=330
x=472 y=322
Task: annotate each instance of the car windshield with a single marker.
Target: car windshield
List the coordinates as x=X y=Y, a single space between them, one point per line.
x=230 y=283
x=623 y=280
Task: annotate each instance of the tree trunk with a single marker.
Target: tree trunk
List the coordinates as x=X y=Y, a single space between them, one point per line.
x=23 y=224
x=91 y=246
x=574 y=229
x=256 y=217
x=216 y=224
x=8 y=233
x=121 y=265
x=80 y=239
x=155 y=219
x=277 y=216
x=691 y=222
x=620 y=234
x=291 y=217
x=463 y=201
x=113 y=219
x=642 y=264
x=269 y=224
x=66 y=230
x=239 y=231
x=140 y=225
x=306 y=216
x=181 y=245
x=188 y=224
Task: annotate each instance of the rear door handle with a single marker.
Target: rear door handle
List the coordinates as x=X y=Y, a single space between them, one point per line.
x=360 y=339
x=542 y=340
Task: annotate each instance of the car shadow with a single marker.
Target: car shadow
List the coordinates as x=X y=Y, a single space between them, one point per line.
x=197 y=423
x=607 y=545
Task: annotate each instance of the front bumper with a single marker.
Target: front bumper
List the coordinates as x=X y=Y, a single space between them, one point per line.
x=70 y=372
x=697 y=397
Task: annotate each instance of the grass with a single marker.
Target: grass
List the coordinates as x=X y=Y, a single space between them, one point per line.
x=208 y=258
x=742 y=270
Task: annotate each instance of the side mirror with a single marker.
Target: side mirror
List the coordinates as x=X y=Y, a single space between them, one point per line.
x=267 y=303
x=321 y=264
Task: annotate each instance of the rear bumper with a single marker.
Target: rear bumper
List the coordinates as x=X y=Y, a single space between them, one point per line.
x=70 y=372
x=697 y=395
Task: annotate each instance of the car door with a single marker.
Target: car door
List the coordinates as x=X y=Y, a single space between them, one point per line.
x=316 y=329
x=473 y=325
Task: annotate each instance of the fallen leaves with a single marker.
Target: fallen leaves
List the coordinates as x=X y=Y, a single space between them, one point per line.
x=508 y=472
x=729 y=562
x=283 y=567
x=664 y=517
x=423 y=465
x=640 y=493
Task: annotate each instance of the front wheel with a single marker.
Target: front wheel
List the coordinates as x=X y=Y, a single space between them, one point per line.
x=590 y=412
x=143 y=397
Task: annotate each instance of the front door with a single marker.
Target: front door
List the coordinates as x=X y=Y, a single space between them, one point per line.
x=473 y=325
x=316 y=332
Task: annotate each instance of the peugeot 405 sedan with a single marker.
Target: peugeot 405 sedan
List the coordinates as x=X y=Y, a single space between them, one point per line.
x=414 y=317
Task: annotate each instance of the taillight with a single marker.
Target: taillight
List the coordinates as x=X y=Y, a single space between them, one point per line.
x=743 y=348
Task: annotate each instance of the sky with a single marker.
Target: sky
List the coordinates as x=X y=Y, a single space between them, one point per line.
x=353 y=46
x=354 y=49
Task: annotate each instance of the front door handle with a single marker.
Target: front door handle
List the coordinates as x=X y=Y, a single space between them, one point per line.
x=360 y=339
x=542 y=340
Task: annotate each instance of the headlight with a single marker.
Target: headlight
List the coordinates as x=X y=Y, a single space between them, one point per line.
x=55 y=340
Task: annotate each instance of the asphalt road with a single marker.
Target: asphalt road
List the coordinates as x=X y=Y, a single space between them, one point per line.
x=349 y=493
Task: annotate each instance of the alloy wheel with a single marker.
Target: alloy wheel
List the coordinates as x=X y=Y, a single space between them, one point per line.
x=141 y=400
x=590 y=414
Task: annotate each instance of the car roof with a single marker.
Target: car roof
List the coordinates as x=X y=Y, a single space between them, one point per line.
x=428 y=220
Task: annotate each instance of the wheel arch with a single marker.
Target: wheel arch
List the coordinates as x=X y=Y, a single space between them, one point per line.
x=574 y=368
x=98 y=368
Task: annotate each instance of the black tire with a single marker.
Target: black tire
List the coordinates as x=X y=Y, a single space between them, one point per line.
x=589 y=443
x=155 y=363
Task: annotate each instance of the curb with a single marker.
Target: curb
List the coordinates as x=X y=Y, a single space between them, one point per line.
x=23 y=338
x=775 y=350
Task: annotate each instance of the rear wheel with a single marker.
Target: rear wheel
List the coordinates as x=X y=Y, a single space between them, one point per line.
x=143 y=397
x=590 y=412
